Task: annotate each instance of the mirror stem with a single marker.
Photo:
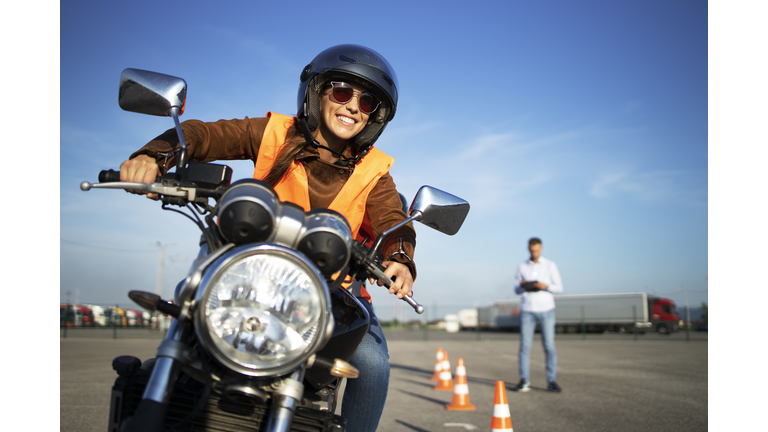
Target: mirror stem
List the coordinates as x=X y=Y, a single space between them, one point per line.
x=175 y=112
x=383 y=236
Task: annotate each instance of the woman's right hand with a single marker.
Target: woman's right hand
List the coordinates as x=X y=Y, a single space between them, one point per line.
x=141 y=169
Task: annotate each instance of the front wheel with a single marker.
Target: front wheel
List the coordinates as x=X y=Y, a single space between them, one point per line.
x=662 y=329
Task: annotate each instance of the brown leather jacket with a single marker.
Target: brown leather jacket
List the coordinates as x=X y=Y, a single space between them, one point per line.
x=240 y=139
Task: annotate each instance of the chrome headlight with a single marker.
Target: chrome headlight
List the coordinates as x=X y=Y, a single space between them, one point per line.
x=263 y=310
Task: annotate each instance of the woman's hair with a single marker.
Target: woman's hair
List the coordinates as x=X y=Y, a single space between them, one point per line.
x=294 y=143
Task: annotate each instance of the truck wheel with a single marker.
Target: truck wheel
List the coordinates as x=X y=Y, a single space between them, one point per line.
x=622 y=329
x=662 y=329
x=559 y=329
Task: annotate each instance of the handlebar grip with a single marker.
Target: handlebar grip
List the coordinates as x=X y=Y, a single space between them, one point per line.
x=108 y=176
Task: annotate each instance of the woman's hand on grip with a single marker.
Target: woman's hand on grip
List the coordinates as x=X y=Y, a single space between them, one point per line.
x=141 y=169
x=403 y=281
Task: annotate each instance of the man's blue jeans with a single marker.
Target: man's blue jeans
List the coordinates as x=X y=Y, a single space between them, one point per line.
x=365 y=396
x=546 y=322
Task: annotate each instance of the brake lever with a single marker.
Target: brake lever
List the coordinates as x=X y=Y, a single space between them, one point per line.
x=177 y=191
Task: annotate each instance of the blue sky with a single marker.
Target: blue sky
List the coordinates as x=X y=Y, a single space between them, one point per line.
x=583 y=123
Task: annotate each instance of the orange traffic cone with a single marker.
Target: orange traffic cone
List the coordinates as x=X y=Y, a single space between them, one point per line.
x=461 y=390
x=445 y=382
x=438 y=365
x=501 y=420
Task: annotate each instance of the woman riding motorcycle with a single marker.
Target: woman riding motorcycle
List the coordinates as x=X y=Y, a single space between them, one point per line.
x=322 y=158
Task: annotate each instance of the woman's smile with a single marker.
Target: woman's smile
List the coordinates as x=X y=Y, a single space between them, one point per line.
x=346 y=120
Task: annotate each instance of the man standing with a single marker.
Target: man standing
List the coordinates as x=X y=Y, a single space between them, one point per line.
x=536 y=280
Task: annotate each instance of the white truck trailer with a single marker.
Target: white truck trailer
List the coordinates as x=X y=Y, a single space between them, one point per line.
x=467 y=319
x=595 y=312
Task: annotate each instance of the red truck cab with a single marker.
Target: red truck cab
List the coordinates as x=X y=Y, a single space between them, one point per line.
x=664 y=317
x=87 y=315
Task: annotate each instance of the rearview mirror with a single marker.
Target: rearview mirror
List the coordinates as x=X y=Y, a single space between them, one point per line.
x=152 y=93
x=434 y=208
x=439 y=210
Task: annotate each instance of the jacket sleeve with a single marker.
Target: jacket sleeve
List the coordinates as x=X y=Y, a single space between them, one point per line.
x=384 y=210
x=208 y=141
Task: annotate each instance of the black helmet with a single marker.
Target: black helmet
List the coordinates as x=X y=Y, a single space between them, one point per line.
x=357 y=64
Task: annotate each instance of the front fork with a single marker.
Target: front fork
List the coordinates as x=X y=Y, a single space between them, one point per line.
x=284 y=402
x=150 y=414
x=170 y=356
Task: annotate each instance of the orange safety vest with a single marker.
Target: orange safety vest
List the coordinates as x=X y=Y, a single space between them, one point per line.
x=294 y=186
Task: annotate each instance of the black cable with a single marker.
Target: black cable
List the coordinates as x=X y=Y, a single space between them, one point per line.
x=196 y=222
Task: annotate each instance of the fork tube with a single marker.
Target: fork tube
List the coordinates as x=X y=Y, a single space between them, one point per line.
x=150 y=413
x=166 y=369
x=285 y=401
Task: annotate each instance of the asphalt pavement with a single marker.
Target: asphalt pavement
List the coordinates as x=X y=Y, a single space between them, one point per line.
x=610 y=382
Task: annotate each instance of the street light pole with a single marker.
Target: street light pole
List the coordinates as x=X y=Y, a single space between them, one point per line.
x=687 y=316
x=159 y=281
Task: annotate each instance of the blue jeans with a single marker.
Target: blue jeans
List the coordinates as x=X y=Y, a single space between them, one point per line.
x=546 y=322
x=365 y=396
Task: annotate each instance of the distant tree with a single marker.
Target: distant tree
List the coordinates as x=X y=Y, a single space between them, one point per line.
x=704 y=317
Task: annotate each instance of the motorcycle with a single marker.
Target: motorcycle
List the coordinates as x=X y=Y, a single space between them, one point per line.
x=262 y=328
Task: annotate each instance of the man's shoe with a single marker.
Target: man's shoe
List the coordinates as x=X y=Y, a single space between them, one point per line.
x=522 y=386
x=554 y=387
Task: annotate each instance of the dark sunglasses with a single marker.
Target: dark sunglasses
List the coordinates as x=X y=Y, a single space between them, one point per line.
x=342 y=93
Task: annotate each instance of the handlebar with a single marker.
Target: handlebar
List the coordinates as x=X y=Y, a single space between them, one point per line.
x=196 y=180
x=111 y=176
x=110 y=179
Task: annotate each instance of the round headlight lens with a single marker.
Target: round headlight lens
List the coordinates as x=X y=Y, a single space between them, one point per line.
x=263 y=309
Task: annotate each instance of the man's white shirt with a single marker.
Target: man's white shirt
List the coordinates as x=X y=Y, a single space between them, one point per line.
x=544 y=271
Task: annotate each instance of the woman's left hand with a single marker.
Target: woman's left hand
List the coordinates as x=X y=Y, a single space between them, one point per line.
x=403 y=281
